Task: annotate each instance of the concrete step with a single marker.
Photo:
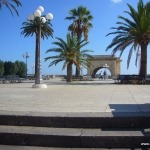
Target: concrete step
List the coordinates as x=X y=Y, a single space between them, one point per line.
x=77 y=120
x=74 y=137
x=12 y=147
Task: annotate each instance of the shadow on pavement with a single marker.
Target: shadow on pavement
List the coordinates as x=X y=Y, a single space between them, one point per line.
x=115 y=108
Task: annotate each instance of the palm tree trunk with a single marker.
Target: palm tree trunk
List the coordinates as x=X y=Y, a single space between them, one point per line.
x=143 y=68
x=79 y=35
x=77 y=71
x=69 y=72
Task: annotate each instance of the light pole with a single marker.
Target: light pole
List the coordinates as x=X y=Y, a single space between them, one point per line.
x=33 y=68
x=41 y=20
x=26 y=56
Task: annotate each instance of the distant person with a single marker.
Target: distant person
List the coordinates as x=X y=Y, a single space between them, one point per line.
x=104 y=74
x=100 y=75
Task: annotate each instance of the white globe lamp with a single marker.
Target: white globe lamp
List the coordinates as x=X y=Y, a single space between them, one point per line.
x=43 y=19
x=37 y=13
x=31 y=17
x=49 y=16
x=41 y=8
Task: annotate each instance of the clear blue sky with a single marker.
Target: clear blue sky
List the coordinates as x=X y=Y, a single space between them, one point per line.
x=105 y=12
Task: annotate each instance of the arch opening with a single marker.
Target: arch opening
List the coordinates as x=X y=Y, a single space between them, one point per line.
x=101 y=70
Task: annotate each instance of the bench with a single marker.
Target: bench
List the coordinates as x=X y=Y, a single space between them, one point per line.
x=77 y=78
x=11 y=79
x=129 y=79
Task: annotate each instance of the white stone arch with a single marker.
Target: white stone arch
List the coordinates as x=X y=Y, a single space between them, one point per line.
x=99 y=62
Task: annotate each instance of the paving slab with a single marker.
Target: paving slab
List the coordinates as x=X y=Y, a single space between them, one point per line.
x=79 y=96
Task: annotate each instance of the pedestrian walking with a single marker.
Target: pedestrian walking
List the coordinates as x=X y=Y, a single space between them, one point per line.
x=104 y=74
x=100 y=75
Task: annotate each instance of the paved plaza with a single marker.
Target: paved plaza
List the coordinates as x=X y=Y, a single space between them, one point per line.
x=79 y=96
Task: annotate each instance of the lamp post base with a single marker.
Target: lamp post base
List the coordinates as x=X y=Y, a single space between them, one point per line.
x=42 y=86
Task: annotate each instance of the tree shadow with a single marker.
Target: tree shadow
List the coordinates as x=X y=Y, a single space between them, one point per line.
x=130 y=109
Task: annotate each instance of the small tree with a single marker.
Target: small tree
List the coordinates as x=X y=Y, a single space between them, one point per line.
x=10 y=68
x=21 y=68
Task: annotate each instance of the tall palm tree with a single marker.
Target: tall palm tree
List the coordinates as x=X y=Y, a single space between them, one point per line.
x=10 y=5
x=68 y=53
x=81 y=24
x=31 y=27
x=133 y=32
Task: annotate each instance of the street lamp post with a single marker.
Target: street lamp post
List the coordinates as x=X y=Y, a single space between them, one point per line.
x=26 y=56
x=41 y=20
x=33 y=68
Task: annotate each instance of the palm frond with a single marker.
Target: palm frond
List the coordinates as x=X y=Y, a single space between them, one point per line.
x=57 y=50
x=29 y=28
x=129 y=56
x=11 y=6
x=55 y=62
x=64 y=65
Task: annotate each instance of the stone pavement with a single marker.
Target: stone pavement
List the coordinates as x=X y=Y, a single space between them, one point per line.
x=79 y=96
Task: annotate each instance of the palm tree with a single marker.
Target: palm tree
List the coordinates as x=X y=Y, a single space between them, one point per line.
x=31 y=27
x=134 y=32
x=81 y=24
x=68 y=53
x=10 y=6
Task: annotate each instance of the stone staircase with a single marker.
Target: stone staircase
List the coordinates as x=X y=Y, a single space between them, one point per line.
x=76 y=130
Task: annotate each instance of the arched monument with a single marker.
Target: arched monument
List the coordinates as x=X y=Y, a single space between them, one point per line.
x=100 y=61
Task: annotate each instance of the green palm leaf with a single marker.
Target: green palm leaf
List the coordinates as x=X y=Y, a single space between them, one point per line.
x=10 y=5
